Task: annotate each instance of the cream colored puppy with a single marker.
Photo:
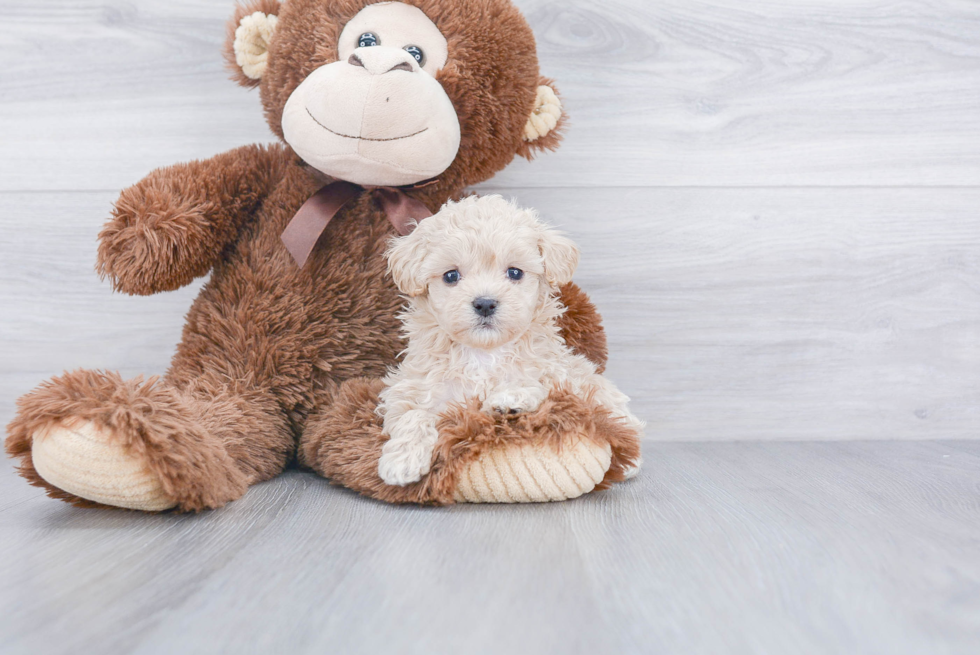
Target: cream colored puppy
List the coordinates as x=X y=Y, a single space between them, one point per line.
x=482 y=277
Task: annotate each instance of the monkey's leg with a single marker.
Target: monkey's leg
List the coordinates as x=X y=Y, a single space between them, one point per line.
x=92 y=438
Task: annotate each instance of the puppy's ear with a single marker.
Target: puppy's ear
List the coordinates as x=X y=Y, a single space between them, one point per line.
x=405 y=257
x=560 y=255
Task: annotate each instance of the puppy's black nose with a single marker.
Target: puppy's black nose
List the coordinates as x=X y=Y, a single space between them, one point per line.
x=485 y=307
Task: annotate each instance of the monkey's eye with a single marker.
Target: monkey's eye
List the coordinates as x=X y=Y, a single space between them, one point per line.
x=451 y=277
x=515 y=273
x=416 y=52
x=367 y=40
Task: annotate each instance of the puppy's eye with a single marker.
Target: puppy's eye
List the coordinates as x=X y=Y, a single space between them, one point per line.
x=416 y=52
x=368 y=39
x=450 y=277
x=515 y=273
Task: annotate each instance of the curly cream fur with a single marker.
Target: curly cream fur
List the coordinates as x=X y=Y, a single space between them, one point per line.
x=511 y=360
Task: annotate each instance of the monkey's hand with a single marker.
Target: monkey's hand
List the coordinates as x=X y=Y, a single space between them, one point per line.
x=581 y=326
x=172 y=226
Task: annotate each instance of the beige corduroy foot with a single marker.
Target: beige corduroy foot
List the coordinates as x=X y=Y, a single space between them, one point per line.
x=83 y=459
x=534 y=474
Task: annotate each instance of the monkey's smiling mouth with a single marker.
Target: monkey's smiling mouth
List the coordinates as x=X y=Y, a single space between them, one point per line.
x=363 y=138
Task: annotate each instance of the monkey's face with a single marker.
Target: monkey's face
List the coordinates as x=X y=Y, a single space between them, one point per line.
x=394 y=93
x=377 y=116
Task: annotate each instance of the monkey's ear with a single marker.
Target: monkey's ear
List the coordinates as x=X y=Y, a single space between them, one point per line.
x=543 y=130
x=560 y=255
x=405 y=258
x=250 y=32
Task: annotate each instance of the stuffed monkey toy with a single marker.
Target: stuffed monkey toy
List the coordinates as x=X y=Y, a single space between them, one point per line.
x=384 y=111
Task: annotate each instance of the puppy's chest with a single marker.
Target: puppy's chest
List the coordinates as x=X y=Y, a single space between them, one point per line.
x=478 y=373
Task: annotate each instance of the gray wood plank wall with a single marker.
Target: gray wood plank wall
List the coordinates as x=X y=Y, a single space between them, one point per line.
x=778 y=202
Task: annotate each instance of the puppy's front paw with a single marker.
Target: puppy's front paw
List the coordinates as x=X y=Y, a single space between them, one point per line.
x=513 y=402
x=407 y=455
x=400 y=468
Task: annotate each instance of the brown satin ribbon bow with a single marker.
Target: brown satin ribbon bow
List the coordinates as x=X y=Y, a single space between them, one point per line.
x=305 y=228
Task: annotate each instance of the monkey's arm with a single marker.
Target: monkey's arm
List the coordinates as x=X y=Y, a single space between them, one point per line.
x=581 y=326
x=171 y=226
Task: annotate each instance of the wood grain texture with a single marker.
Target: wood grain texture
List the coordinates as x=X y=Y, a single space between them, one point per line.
x=676 y=92
x=731 y=313
x=736 y=548
x=778 y=208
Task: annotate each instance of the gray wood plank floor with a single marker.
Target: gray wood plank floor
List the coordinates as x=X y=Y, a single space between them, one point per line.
x=779 y=209
x=858 y=547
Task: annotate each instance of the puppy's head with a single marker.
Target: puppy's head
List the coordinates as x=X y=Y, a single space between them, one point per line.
x=483 y=268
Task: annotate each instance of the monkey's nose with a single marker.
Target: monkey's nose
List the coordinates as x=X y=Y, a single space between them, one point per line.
x=485 y=307
x=379 y=60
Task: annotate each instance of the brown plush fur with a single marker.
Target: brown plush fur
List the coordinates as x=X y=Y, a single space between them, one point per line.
x=267 y=344
x=344 y=442
x=174 y=224
x=581 y=326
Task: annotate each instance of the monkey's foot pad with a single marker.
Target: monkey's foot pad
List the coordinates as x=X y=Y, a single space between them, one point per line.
x=533 y=474
x=85 y=460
